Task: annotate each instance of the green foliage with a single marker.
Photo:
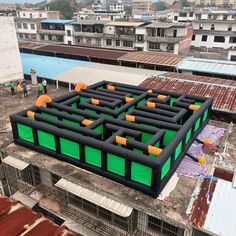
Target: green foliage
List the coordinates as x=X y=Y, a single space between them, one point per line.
x=185 y=3
x=160 y=6
x=66 y=7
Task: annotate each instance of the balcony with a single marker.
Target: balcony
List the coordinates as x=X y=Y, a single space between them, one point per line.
x=52 y=32
x=88 y=34
x=121 y=36
x=214 y=32
x=155 y=39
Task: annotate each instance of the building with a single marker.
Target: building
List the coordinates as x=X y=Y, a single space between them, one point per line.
x=109 y=5
x=183 y=15
x=37 y=14
x=168 y=37
x=53 y=30
x=224 y=3
x=214 y=31
x=141 y=7
x=10 y=66
x=86 y=33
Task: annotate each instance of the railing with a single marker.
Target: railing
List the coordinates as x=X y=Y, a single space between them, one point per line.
x=214 y=32
x=120 y=36
x=88 y=34
x=52 y=32
x=155 y=39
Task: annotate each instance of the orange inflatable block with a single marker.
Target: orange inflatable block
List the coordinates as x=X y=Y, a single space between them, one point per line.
x=111 y=88
x=121 y=140
x=194 y=107
x=128 y=99
x=95 y=101
x=151 y=104
x=42 y=99
x=130 y=118
x=161 y=97
x=80 y=86
x=87 y=122
x=30 y=114
x=154 y=150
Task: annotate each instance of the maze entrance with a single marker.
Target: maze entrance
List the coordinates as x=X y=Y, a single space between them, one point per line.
x=132 y=135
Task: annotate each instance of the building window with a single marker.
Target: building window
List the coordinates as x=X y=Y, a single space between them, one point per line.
x=200 y=26
x=23 y=14
x=25 y=26
x=183 y=14
x=212 y=27
x=69 y=42
x=170 y=47
x=163 y=227
x=175 y=33
x=230 y=28
x=108 y=42
x=140 y=38
x=98 y=41
x=32 y=26
x=204 y=38
x=219 y=39
x=193 y=37
x=68 y=32
x=49 y=37
x=40 y=15
x=128 y=44
x=191 y=14
x=33 y=36
x=18 y=25
x=42 y=37
x=21 y=36
x=175 y=18
x=154 y=46
x=31 y=16
x=26 y=36
x=88 y=41
x=232 y=40
x=118 y=43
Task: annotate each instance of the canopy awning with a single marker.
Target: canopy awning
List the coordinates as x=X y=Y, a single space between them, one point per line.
x=16 y=163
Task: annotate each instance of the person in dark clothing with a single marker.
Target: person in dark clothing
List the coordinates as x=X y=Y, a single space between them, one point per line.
x=24 y=86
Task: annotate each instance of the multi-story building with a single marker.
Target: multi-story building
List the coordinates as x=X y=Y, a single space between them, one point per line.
x=37 y=14
x=117 y=5
x=183 y=15
x=53 y=30
x=140 y=7
x=125 y=35
x=225 y=3
x=214 y=31
x=168 y=37
x=85 y=32
x=88 y=14
x=109 y=5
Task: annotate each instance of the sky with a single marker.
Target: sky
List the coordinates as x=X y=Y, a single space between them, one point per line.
x=19 y=1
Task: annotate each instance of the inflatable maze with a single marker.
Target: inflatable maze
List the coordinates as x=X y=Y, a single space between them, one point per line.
x=129 y=134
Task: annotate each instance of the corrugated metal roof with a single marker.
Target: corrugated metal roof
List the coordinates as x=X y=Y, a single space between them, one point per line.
x=56 y=21
x=16 y=163
x=160 y=24
x=96 y=198
x=83 y=51
x=221 y=217
x=153 y=58
x=220 y=67
x=201 y=204
x=16 y=219
x=224 y=97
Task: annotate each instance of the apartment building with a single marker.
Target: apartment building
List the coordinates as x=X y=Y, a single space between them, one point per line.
x=183 y=15
x=53 y=30
x=28 y=23
x=168 y=37
x=37 y=14
x=85 y=33
x=214 y=31
x=225 y=3
x=140 y=7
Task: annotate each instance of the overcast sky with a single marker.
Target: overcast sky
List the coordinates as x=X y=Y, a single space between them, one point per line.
x=19 y=1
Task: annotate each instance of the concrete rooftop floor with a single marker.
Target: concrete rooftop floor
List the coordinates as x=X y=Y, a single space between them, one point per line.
x=172 y=209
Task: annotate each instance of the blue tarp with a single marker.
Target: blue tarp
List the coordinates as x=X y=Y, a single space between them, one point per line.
x=46 y=66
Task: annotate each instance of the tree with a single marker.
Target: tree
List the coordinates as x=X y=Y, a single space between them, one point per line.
x=160 y=6
x=185 y=3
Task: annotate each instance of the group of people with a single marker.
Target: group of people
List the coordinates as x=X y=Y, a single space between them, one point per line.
x=21 y=88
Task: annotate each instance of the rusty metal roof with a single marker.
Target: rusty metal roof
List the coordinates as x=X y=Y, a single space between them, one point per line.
x=153 y=58
x=100 y=53
x=16 y=219
x=201 y=204
x=223 y=96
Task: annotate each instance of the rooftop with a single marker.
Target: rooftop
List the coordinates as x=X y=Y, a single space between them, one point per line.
x=160 y=24
x=223 y=94
x=16 y=219
x=153 y=58
x=217 y=67
x=126 y=23
x=91 y=22
x=56 y=21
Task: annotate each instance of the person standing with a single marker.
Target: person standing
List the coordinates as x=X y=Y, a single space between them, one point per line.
x=11 y=85
x=40 y=89
x=45 y=89
x=24 y=86
x=19 y=89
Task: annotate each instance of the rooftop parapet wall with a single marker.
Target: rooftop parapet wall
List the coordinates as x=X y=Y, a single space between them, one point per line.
x=129 y=134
